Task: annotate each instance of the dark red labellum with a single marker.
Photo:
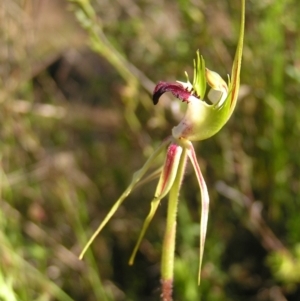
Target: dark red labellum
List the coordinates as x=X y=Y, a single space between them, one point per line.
x=175 y=88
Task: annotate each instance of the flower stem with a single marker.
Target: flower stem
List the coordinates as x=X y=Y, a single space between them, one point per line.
x=168 y=251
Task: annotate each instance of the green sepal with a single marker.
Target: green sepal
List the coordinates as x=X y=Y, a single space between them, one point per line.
x=135 y=179
x=166 y=180
x=234 y=81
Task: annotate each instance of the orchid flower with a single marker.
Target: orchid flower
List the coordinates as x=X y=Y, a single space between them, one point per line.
x=201 y=121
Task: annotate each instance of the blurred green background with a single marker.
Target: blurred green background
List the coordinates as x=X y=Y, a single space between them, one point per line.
x=77 y=120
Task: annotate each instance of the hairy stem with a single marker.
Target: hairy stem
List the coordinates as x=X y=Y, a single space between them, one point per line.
x=168 y=251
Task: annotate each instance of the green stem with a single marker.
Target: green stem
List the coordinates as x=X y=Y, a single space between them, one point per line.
x=168 y=250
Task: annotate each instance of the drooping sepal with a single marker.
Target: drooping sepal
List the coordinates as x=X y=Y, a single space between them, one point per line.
x=166 y=180
x=204 y=205
x=169 y=171
x=135 y=179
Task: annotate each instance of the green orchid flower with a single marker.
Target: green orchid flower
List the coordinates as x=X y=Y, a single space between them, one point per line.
x=202 y=120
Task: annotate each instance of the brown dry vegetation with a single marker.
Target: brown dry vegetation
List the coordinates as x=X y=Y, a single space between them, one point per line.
x=77 y=120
